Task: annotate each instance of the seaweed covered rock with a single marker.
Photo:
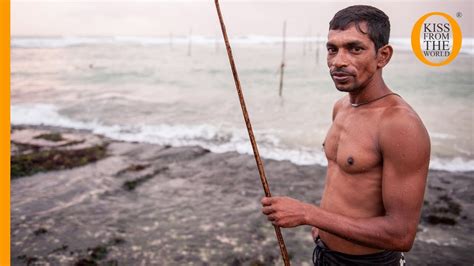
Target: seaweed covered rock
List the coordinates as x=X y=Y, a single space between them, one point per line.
x=40 y=150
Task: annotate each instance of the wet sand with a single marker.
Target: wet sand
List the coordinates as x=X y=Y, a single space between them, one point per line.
x=145 y=204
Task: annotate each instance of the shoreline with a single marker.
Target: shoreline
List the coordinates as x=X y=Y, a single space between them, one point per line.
x=214 y=138
x=172 y=205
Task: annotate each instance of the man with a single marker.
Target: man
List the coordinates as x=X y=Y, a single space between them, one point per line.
x=377 y=150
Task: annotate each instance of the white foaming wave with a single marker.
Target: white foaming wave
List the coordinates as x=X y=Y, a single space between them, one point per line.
x=216 y=139
x=43 y=114
x=401 y=44
x=179 y=135
x=456 y=164
x=58 y=42
x=404 y=44
x=440 y=242
x=439 y=135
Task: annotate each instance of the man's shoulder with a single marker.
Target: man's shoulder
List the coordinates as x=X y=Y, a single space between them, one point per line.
x=399 y=112
x=403 y=140
x=400 y=121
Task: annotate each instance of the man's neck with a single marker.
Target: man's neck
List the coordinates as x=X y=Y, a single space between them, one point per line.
x=375 y=88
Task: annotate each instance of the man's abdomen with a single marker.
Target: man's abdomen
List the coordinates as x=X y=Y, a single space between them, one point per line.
x=357 y=196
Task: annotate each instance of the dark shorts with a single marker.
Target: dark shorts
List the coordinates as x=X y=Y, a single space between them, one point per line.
x=322 y=256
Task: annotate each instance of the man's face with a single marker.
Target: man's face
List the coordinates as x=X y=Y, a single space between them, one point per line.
x=351 y=59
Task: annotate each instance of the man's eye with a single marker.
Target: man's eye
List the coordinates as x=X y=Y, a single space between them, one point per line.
x=357 y=49
x=331 y=50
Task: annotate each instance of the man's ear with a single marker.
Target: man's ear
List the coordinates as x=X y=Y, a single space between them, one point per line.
x=384 y=55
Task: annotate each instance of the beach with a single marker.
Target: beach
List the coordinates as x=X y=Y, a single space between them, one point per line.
x=128 y=145
x=137 y=203
x=140 y=89
x=132 y=151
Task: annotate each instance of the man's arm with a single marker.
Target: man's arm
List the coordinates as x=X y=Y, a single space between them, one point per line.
x=404 y=144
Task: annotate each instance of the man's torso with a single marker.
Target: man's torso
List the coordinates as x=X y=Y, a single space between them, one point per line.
x=354 y=177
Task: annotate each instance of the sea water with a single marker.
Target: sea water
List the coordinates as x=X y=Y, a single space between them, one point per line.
x=181 y=92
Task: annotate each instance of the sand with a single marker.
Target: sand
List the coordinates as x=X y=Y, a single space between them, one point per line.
x=145 y=204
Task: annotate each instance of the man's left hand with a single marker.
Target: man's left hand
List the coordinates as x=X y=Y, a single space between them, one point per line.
x=284 y=211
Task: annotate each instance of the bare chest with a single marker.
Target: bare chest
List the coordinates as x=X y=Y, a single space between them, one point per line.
x=352 y=143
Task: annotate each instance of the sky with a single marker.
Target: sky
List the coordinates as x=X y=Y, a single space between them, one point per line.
x=162 y=18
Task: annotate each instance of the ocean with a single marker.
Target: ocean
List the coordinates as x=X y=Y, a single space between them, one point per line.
x=179 y=91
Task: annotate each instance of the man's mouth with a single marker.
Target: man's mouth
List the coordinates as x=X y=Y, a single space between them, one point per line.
x=340 y=76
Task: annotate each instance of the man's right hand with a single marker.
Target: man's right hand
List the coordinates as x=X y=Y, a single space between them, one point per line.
x=315 y=233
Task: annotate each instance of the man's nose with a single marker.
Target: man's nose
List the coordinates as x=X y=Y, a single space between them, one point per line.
x=340 y=60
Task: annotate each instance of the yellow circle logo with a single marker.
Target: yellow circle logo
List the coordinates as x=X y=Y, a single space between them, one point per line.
x=436 y=40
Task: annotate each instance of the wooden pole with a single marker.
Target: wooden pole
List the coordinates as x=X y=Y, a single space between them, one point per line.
x=259 y=162
x=317 y=49
x=216 y=43
x=282 y=59
x=305 y=40
x=190 y=43
x=310 y=44
x=171 y=41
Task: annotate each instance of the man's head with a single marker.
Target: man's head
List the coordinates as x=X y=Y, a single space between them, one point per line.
x=378 y=24
x=358 y=46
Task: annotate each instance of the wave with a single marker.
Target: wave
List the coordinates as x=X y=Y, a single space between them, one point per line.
x=216 y=139
x=60 y=42
x=456 y=164
x=403 y=44
x=438 y=135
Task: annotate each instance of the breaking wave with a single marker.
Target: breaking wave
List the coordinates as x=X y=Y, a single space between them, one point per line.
x=216 y=139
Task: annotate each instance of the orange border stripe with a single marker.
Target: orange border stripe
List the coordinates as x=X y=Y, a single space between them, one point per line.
x=5 y=132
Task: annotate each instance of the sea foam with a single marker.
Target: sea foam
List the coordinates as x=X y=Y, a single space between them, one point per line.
x=216 y=139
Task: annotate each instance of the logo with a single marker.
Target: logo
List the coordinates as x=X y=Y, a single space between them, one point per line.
x=436 y=39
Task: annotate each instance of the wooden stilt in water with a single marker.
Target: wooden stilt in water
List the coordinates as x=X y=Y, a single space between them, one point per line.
x=305 y=40
x=317 y=49
x=171 y=41
x=190 y=43
x=259 y=162
x=310 y=43
x=217 y=43
x=282 y=66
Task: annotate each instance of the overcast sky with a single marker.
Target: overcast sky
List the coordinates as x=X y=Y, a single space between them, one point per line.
x=160 y=18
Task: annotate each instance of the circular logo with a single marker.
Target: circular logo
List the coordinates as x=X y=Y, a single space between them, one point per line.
x=435 y=42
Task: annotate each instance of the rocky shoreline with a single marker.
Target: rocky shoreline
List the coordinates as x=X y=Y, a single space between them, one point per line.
x=83 y=199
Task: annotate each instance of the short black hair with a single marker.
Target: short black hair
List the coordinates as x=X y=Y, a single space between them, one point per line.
x=378 y=24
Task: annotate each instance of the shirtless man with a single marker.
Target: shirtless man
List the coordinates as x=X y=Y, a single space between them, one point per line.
x=377 y=150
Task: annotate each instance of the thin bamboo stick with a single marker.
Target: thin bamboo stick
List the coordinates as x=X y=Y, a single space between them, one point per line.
x=259 y=162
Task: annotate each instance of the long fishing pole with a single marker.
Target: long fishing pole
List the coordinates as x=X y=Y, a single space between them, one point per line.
x=261 y=171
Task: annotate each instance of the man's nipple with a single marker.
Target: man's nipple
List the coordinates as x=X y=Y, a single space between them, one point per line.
x=350 y=160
